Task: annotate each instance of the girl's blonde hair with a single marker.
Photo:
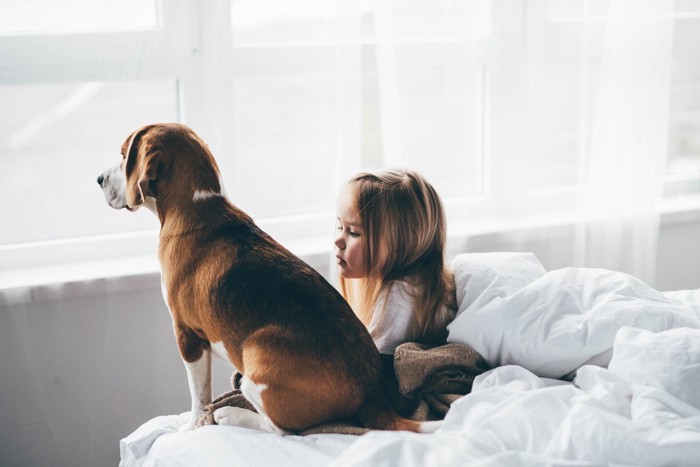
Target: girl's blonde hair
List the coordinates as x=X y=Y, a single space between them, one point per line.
x=404 y=235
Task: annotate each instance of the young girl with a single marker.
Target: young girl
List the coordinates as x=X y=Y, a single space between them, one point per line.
x=390 y=254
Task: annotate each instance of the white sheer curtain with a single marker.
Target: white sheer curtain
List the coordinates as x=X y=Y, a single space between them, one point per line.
x=572 y=117
x=628 y=144
x=514 y=109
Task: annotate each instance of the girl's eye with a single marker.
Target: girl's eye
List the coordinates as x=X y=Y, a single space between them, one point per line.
x=352 y=233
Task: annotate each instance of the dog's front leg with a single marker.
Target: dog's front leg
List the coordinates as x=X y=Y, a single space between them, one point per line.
x=199 y=379
x=197 y=357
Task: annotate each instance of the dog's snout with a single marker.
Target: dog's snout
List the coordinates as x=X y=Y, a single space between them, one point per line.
x=100 y=179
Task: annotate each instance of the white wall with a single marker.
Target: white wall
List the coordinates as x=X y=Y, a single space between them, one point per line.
x=84 y=364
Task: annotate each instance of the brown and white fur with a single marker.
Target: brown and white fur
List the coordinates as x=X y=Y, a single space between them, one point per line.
x=305 y=357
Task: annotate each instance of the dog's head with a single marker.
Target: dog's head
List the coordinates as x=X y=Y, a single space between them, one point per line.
x=151 y=153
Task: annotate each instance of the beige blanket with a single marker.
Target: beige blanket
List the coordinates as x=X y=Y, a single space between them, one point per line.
x=429 y=380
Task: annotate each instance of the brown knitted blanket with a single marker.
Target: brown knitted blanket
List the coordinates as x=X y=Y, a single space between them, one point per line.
x=429 y=380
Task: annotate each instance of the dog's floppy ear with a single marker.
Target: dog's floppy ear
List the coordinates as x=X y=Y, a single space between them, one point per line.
x=141 y=168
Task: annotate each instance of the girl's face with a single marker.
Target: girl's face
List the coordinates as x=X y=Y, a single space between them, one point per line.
x=349 y=239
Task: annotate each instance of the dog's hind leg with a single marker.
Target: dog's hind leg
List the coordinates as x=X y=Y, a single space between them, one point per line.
x=295 y=389
x=237 y=416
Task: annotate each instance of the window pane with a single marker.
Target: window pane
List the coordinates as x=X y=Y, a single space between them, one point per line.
x=684 y=130
x=558 y=98
x=56 y=139
x=305 y=120
x=683 y=157
x=577 y=10
x=71 y=16
x=562 y=80
x=285 y=131
x=432 y=19
x=440 y=116
x=554 y=123
x=281 y=22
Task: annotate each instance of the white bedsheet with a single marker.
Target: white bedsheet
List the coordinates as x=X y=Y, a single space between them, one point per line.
x=643 y=409
x=158 y=443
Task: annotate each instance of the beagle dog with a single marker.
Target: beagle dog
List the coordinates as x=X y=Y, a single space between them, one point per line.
x=305 y=357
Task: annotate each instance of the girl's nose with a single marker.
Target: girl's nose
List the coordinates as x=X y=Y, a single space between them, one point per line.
x=340 y=242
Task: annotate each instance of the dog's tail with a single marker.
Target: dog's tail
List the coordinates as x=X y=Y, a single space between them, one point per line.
x=376 y=413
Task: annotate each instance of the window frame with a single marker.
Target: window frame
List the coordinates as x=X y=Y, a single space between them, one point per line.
x=193 y=46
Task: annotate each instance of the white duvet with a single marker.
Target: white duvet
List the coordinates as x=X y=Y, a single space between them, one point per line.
x=638 y=405
x=512 y=311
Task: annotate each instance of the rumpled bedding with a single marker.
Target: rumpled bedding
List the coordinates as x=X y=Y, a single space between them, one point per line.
x=513 y=312
x=631 y=353
x=611 y=416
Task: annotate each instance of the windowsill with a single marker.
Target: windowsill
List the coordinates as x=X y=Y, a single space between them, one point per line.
x=79 y=279
x=130 y=266
x=134 y=272
x=142 y=272
x=685 y=210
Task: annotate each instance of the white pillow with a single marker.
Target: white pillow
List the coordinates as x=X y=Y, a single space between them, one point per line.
x=668 y=360
x=481 y=277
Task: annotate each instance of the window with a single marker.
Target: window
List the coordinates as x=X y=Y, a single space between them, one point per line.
x=683 y=166
x=324 y=89
x=52 y=135
x=573 y=28
x=74 y=82
x=495 y=102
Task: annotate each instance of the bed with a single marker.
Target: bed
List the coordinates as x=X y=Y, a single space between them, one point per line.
x=588 y=367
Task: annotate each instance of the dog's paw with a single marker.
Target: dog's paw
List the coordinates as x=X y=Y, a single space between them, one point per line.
x=190 y=425
x=230 y=416
x=244 y=418
x=237 y=416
